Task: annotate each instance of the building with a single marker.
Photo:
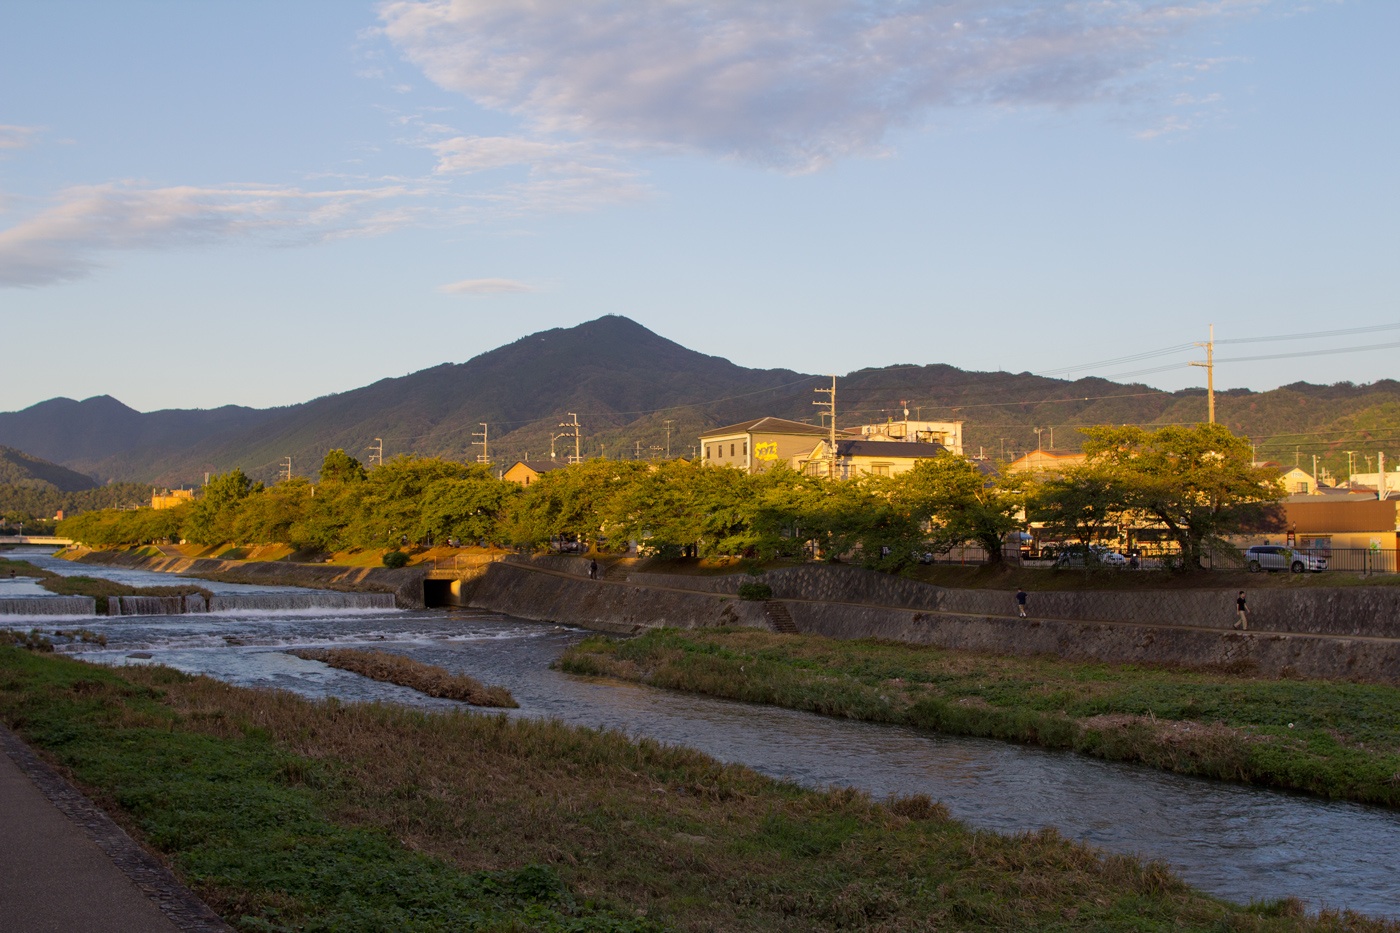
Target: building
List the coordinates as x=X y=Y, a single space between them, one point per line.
x=171 y=498
x=860 y=457
x=1345 y=524
x=947 y=434
x=526 y=472
x=1045 y=461
x=754 y=446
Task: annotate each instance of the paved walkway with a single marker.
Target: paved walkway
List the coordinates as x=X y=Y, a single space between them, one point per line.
x=66 y=867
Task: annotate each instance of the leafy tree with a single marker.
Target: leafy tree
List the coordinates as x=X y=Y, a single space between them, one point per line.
x=575 y=501
x=1083 y=504
x=468 y=506
x=390 y=502
x=1198 y=482
x=339 y=467
x=212 y=516
x=960 y=504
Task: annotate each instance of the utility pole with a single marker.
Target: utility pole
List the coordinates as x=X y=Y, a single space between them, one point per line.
x=1350 y=454
x=1209 y=365
x=637 y=454
x=1037 y=437
x=1314 y=473
x=286 y=471
x=1296 y=448
x=485 y=455
x=668 y=438
x=830 y=406
x=572 y=432
x=376 y=452
x=1003 y=448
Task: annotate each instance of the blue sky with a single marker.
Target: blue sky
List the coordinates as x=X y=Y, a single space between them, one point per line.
x=259 y=203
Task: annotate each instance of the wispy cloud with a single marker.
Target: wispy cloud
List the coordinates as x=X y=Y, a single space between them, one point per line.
x=17 y=137
x=792 y=85
x=67 y=240
x=485 y=287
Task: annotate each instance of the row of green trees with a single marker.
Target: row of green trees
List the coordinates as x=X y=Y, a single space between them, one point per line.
x=1197 y=482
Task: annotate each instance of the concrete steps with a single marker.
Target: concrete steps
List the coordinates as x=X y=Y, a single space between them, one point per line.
x=779 y=618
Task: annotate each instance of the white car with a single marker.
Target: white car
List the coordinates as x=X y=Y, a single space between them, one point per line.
x=1112 y=559
x=1273 y=557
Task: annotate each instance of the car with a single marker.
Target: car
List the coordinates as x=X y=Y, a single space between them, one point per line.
x=1273 y=557
x=1095 y=556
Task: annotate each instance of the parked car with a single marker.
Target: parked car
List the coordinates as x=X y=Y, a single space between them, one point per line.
x=1273 y=557
x=1077 y=556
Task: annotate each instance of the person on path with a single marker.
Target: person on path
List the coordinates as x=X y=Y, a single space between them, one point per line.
x=1021 y=601
x=592 y=570
x=1242 y=623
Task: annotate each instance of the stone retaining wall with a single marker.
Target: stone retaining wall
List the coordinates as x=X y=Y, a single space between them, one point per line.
x=516 y=590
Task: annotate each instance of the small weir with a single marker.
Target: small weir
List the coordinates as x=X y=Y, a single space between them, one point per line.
x=245 y=602
x=47 y=606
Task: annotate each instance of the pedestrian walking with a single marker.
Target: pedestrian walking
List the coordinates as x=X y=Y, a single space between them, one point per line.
x=1241 y=623
x=1021 y=601
x=592 y=570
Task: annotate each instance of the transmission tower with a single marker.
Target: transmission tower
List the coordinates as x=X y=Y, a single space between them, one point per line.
x=668 y=438
x=286 y=472
x=485 y=455
x=376 y=452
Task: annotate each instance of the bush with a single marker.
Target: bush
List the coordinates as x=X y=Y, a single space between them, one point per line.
x=755 y=591
x=395 y=559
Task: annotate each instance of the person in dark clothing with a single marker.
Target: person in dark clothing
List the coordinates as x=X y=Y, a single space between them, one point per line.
x=1241 y=623
x=592 y=570
x=1021 y=601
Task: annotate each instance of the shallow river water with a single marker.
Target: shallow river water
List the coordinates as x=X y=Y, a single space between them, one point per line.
x=1240 y=843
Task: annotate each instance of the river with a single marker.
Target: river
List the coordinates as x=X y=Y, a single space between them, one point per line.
x=1240 y=843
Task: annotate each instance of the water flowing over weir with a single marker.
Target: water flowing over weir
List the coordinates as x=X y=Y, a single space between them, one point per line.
x=25 y=606
x=249 y=602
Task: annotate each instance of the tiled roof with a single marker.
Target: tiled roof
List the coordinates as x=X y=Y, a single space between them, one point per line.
x=541 y=466
x=771 y=426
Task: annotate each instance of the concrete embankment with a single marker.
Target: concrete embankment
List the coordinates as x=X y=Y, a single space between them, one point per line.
x=1345 y=633
x=405 y=583
x=558 y=590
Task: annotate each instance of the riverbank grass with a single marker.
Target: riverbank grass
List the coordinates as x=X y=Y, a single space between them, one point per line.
x=1338 y=740
x=286 y=814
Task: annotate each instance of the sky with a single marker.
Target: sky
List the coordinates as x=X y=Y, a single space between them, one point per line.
x=258 y=203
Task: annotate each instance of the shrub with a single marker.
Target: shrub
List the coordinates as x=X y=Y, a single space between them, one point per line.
x=755 y=591
x=395 y=559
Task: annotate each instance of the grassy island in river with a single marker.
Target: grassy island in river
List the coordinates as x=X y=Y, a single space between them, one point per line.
x=1332 y=739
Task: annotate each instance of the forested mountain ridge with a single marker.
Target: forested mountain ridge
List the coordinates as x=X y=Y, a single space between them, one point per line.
x=625 y=383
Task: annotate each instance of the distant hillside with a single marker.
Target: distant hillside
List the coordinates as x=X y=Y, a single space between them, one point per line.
x=19 y=468
x=628 y=385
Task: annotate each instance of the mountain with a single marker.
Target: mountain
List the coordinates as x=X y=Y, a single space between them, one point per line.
x=628 y=386
x=18 y=468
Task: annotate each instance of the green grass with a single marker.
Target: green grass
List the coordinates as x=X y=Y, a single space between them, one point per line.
x=1338 y=740
x=286 y=814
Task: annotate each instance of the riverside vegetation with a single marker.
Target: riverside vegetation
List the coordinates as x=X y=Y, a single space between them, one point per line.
x=396 y=669
x=1197 y=483
x=288 y=814
x=1338 y=740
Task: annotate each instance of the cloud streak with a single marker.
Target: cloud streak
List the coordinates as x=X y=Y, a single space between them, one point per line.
x=17 y=137
x=791 y=85
x=66 y=241
x=485 y=287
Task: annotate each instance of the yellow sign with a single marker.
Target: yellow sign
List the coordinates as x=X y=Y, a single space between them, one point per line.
x=767 y=450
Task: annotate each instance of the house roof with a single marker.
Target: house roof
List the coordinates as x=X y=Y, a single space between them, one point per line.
x=895 y=450
x=772 y=426
x=539 y=466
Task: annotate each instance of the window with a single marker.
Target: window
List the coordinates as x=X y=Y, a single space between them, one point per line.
x=731 y=450
x=879 y=469
x=746 y=448
x=707 y=451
